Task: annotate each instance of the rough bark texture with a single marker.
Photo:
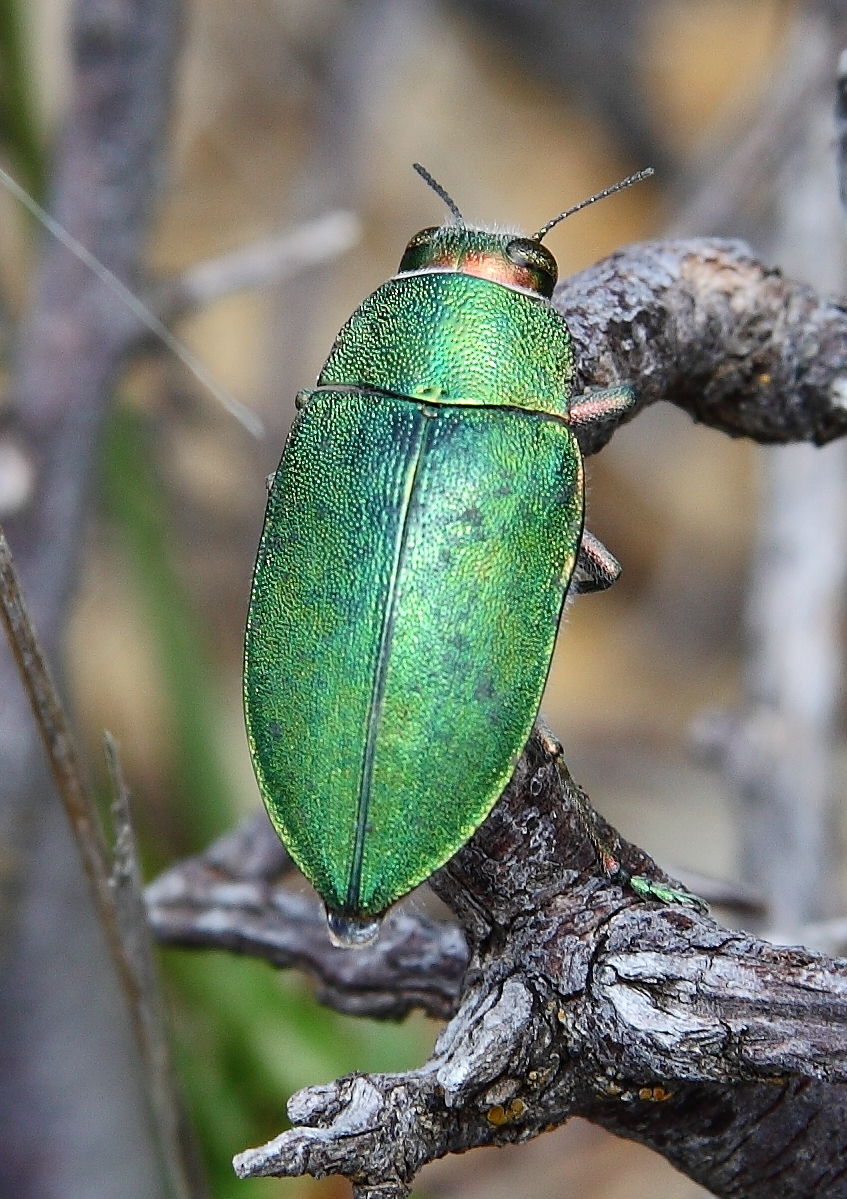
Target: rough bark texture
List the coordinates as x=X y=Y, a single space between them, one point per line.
x=724 y=1053
x=703 y=324
x=233 y=897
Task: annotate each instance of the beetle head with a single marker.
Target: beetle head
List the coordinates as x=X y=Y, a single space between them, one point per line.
x=508 y=258
x=515 y=261
x=518 y=262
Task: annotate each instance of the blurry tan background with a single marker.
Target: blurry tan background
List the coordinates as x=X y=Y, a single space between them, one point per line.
x=273 y=126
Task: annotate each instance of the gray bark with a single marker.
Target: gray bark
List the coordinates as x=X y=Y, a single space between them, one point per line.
x=702 y=323
x=724 y=1053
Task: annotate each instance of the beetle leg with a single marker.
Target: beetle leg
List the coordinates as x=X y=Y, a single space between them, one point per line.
x=599 y=405
x=596 y=568
x=607 y=855
x=649 y=888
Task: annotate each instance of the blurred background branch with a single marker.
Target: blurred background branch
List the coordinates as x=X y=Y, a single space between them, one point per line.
x=59 y=1040
x=783 y=749
x=260 y=264
x=114 y=880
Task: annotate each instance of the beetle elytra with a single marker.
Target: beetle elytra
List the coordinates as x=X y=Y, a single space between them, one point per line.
x=423 y=529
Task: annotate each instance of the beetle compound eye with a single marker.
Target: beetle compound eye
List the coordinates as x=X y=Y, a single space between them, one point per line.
x=538 y=262
x=418 y=252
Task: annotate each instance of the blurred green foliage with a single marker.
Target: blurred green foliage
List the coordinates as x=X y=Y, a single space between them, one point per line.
x=20 y=132
x=246 y=1040
x=135 y=504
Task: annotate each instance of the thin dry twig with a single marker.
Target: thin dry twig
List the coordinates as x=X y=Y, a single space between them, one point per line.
x=258 y=264
x=235 y=897
x=183 y=1166
x=116 y=889
x=704 y=324
x=58 y=742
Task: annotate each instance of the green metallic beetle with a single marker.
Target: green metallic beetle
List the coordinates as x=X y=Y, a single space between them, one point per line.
x=422 y=531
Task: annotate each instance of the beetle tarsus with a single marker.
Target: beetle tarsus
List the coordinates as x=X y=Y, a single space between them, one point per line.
x=596 y=568
x=600 y=404
x=648 y=888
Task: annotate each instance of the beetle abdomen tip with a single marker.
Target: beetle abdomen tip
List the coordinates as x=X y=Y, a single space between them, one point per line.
x=352 y=932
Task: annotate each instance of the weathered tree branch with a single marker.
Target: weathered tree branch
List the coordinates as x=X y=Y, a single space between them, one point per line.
x=703 y=324
x=231 y=898
x=236 y=897
x=724 y=1053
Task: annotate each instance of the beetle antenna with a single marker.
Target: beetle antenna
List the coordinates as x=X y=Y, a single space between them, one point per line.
x=439 y=191
x=609 y=191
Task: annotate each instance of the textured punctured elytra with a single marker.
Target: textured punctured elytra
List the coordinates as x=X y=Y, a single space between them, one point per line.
x=423 y=529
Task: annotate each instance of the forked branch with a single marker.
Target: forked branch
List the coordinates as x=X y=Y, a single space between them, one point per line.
x=579 y=999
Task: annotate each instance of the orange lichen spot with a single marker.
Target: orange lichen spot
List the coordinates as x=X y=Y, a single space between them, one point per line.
x=499 y=1115
x=654 y=1094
